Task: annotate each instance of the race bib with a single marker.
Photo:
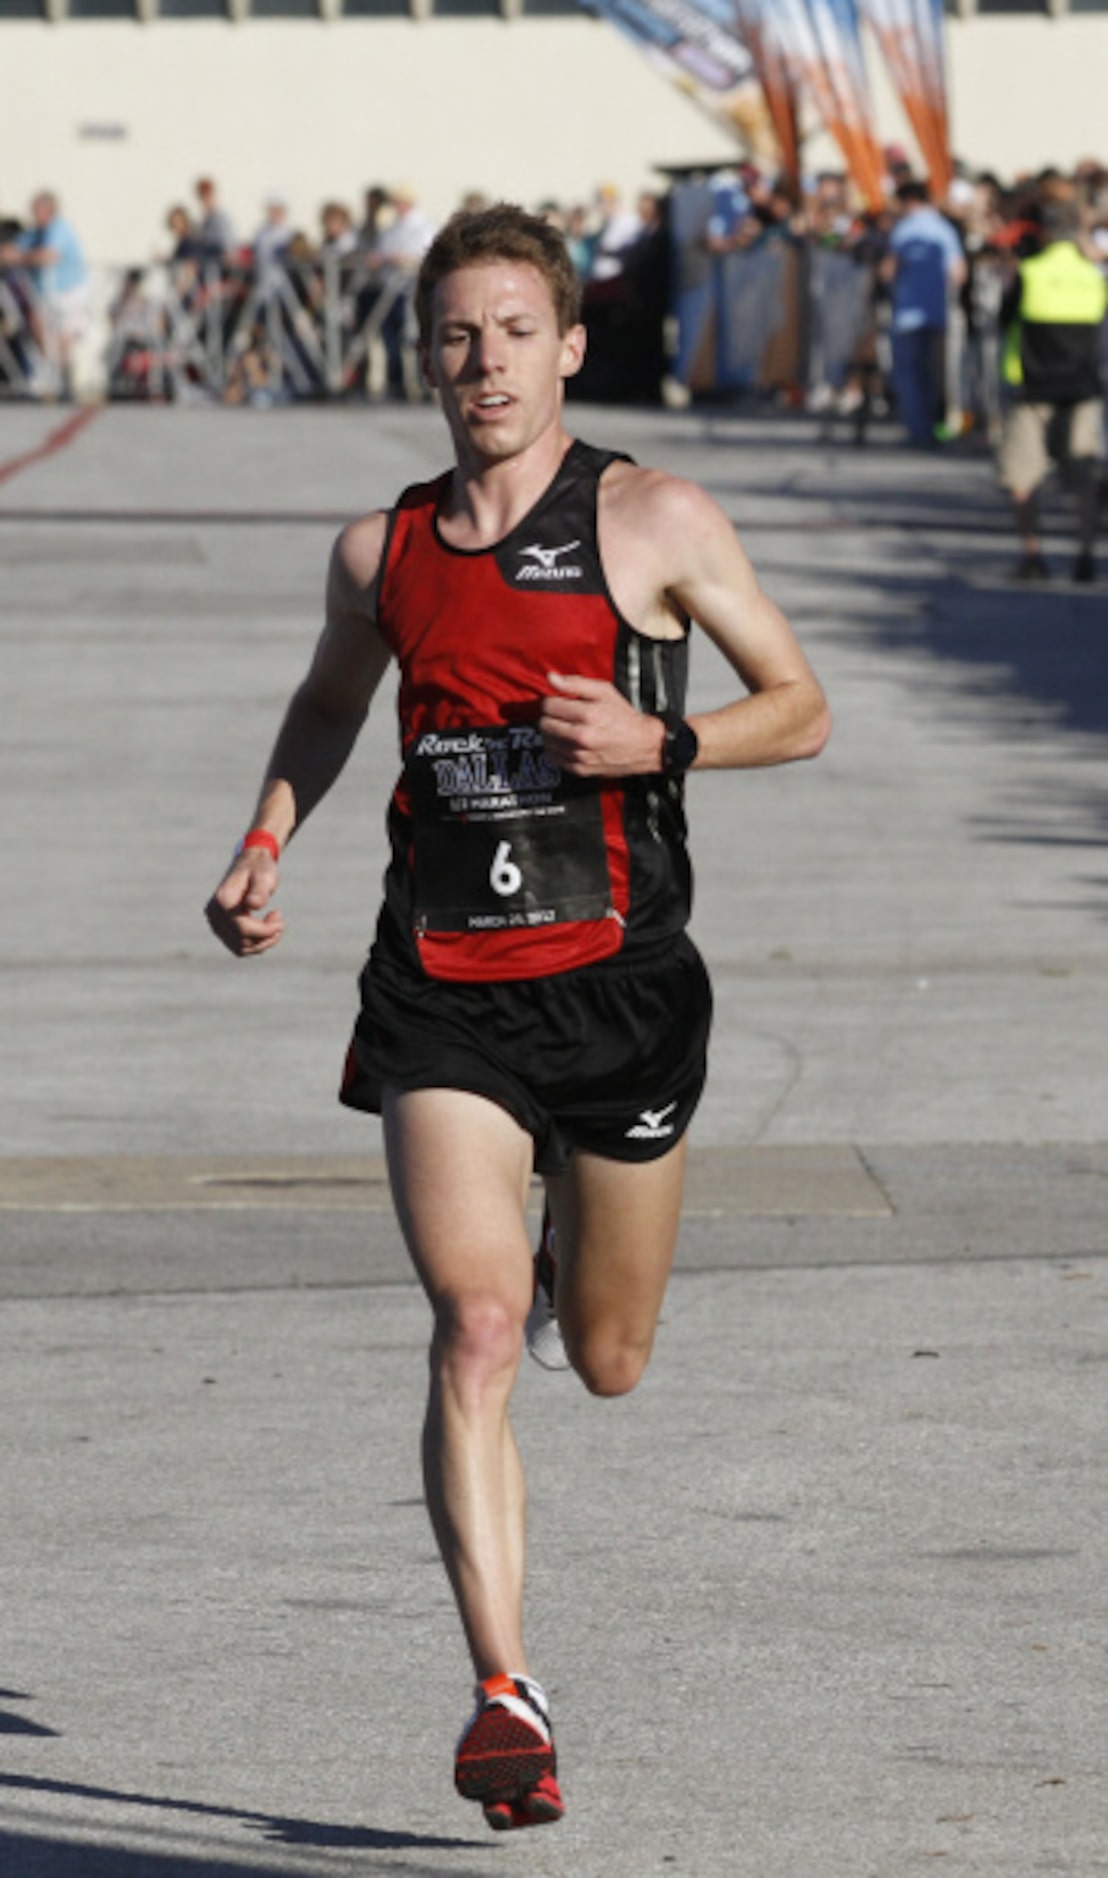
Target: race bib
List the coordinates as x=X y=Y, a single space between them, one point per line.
x=502 y=838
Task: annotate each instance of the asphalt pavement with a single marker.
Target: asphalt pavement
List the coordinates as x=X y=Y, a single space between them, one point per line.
x=826 y=1597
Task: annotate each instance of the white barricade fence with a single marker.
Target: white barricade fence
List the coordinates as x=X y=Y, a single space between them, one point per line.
x=189 y=333
x=31 y=346
x=334 y=327
x=292 y=331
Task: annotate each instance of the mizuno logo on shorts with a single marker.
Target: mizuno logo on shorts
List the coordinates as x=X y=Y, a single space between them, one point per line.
x=652 y=1124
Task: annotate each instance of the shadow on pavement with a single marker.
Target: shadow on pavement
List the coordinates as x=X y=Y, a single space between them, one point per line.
x=30 y=1855
x=1020 y=668
x=18 y=1724
x=25 y=1857
x=1048 y=648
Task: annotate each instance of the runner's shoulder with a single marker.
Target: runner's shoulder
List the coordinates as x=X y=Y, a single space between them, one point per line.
x=359 y=548
x=645 y=509
x=648 y=499
x=355 y=565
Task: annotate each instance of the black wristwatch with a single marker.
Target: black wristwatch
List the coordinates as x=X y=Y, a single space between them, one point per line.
x=680 y=746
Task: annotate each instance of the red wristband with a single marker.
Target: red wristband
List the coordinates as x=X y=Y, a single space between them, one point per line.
x=261 y=838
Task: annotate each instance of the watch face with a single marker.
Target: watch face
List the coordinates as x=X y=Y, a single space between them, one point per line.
x=681 y=744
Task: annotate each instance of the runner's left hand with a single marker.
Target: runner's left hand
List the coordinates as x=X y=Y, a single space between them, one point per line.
x=590 y=729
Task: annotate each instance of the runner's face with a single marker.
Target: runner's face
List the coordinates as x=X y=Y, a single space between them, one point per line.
x=497 y=359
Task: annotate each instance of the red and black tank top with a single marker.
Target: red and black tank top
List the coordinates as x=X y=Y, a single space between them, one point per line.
x=504 y=867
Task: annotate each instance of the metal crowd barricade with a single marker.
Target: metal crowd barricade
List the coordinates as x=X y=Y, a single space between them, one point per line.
x=782 y=314
x=30 y=357
x=786 y=317
x=841 y=315
x=286 y=332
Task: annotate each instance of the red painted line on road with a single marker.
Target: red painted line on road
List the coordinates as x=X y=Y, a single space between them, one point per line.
x=57 y=440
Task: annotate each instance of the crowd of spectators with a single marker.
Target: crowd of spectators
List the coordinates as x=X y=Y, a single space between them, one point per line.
x=727 y=285
x=282 y=312
x=937 y=273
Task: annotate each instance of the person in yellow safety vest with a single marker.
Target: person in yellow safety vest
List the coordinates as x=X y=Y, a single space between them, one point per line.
x=1053 y=314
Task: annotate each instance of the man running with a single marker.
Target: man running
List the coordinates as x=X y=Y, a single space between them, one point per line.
x=531 y=1001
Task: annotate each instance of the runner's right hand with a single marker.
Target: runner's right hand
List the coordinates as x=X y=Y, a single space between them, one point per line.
x=234 y=911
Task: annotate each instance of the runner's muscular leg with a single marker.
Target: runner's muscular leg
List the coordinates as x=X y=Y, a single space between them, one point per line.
x=615 y=1225
x=460 y=1168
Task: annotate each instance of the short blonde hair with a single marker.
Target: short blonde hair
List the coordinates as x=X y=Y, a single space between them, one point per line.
x=501 y=233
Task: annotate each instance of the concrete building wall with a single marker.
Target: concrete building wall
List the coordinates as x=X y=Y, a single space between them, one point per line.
x=529 y=109
x=120 y=116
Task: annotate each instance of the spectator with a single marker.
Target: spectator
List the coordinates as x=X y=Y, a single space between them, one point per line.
x=269 y=246
x=780 y=215
x=573 y=225
x=408 y=236
x=396 y=258
x=137 y=356
x=254 y=371
x=339 y=238
x=214 y=226
x=898 y=170
x=925 y=266
x=187 y=261
x=376 y=203
x=579 y=239
x=188 y=244
x=646 y=278
x=619 y=227
x=730 y=211
x=1054 y=314
x=829 y=203
x=51 y=255
x=296 y=327
x=299 y=252
x=363 y=351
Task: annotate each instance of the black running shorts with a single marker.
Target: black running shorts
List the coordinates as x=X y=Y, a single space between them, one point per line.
x=611 y=1058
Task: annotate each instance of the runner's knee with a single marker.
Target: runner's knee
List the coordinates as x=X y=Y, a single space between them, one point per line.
x=607 y=1362
x=477 y=1338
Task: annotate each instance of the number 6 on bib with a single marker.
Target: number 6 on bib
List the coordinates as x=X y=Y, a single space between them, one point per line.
x=505 y=877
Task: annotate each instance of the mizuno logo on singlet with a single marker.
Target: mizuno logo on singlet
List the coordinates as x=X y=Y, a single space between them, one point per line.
x=546 y=563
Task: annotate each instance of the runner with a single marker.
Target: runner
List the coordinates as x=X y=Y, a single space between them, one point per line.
x=531 y=1001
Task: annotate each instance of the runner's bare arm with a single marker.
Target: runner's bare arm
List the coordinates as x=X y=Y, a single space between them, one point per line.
x=319 y=731
x=784 y=716
x=672 y=554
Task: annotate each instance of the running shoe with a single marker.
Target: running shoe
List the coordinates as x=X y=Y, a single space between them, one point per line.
x=544 y=1336
x=540 y=1807
x=505 y=1758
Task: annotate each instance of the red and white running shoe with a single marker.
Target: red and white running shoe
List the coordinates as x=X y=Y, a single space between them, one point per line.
x=544 y=1337
x=540 y=1807
x=505 y=1758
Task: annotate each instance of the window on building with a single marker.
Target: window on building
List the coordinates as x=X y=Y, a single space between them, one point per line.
x=101 y=9
x=21 y=9
x=285 y=9
x=1012 y=6
x=375 y=8
x=553 y=6
x=456 y=9
x=192 y=9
